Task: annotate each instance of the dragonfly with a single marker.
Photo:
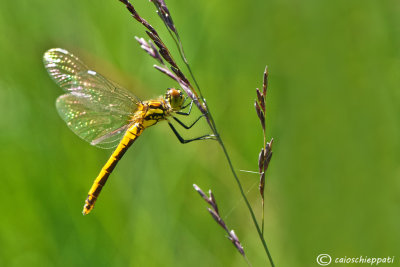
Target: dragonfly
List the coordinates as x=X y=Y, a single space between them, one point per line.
x=106 y=115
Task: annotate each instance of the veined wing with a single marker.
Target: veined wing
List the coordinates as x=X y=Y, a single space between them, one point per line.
x=94 y=108
x=94 y=124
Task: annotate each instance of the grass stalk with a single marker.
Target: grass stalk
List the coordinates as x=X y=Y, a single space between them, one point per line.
x=213 y=128
x=221 y=143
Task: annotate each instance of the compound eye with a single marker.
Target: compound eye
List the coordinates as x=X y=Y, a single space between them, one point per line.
x=173 y=92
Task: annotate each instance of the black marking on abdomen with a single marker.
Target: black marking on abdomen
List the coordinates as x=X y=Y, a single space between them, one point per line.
x=155 y=116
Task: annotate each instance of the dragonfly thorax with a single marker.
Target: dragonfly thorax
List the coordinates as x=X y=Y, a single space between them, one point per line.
x=174 y=98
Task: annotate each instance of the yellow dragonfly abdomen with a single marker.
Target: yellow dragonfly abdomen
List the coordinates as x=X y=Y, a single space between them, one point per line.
x=129 y=138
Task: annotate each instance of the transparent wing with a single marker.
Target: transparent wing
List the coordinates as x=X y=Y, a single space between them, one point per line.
x=94 y=108
x=92 y=123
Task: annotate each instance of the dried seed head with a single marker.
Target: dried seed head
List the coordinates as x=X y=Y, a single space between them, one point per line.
x=268 y=151
x=163 y=50
x=167 y=72
x=216 y=217
x=136 y=16
x=215 y=214
x=213 y=201
x=267 y=160
x=180 y=74
x=261 y=159
x=260 y=114
x=265 y=81
x=261 y=100
x=235 y=241
x=202 y=194
x=163 y=12
x=269 y=144
x=150 y=49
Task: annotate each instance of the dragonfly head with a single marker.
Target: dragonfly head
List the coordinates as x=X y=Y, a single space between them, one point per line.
x=175 y=98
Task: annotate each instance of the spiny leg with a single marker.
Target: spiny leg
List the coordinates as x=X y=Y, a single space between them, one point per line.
x=184 y=125
x=180 y=138
x=188 y=112
x=185 y=141
x=185 y=106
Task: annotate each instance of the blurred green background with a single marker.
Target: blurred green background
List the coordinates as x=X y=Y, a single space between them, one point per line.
x=333 y=109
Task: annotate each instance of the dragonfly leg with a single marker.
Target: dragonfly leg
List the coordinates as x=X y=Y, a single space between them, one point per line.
x=185 y=141
x=188 y=112
x=184 y=125
x=185 y=106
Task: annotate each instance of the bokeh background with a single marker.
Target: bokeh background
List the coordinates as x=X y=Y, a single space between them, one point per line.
x=333 y=109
